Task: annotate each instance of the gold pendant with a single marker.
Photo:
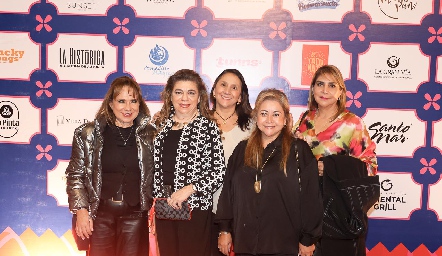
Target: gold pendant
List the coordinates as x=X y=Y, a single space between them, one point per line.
x=257 y=186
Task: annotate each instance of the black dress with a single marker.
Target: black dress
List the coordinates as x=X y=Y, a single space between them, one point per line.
x=275 y=220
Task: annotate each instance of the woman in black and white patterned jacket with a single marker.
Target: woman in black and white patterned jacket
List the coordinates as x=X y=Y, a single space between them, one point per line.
x=188 y=156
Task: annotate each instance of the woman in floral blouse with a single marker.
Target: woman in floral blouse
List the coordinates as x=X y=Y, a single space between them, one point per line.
x=330 y=129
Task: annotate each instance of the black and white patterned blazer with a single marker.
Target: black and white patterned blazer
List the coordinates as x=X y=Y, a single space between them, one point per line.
x=199 y=161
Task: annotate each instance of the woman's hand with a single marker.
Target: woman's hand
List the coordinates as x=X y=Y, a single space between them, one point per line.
x=321 y=168
x=178 y=197
x=85 y=225
x=224 y=242
x=306 y=250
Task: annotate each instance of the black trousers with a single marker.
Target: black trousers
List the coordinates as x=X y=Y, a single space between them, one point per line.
x=341 y=247
x=120 y=230
x=185 y=237
x=214 y=238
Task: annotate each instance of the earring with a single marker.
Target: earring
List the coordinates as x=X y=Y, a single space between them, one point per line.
x=237 y=103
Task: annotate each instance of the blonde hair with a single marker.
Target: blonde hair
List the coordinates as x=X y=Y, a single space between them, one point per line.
x=254 y=149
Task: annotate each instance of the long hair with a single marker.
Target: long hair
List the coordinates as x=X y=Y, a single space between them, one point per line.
x=243 y=109
x=166 y=95
x=337 y=76
x=114 y=90
x=254 y=148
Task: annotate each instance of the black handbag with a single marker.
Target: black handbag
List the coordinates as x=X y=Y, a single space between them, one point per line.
x=82 y=245
x=164 y=211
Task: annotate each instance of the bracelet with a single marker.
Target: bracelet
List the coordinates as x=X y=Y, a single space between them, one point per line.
x=223 y=233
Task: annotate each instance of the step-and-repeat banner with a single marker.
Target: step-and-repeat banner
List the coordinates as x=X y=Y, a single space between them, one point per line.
x=58 y=57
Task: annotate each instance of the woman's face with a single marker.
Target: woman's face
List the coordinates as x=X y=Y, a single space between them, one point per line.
x=185 y=98
x=125 y=107
x=270 y=120
x=326 y=91
x=227 y=91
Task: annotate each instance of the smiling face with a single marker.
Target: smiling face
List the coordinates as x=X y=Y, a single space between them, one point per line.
x=270 y=120
x=125 y=107
x=185 y=98
x=326 y=91
x=227 y=91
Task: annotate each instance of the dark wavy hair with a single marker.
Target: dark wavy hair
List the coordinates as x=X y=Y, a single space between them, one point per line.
x=166 y=95
x=114 y=90
x=243 y=109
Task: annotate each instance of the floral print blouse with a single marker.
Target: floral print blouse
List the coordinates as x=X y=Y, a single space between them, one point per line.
x=347 y=135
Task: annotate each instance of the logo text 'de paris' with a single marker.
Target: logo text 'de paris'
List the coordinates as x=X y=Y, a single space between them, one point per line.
x=81 y=58
x=10 y=55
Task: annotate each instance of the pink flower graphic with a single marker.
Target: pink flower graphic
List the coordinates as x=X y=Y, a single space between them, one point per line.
x=435 y=35
x=278 y=30
x=121 y=25
x=44 y=152
x=43 y=23
x=198 y=28
x=432 y=101
x=356 y=32
x=353 y=99
x=427 y=166
x=44 y=89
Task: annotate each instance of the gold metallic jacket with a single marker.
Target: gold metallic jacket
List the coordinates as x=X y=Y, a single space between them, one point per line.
x=84 y=172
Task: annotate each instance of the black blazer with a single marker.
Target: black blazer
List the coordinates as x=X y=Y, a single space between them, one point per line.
x=348 y=193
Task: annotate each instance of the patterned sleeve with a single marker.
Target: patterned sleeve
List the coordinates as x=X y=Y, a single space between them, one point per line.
x=362 y=147
x=212 y=160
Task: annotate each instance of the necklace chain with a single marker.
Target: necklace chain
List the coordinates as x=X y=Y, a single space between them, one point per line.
x=257 y=185
x=225 y=119
x=125 y=140
x=180 y=125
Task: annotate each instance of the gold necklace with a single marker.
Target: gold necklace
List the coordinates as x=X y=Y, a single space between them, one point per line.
x=180 y=125
x=225 y=120
x=257 y=184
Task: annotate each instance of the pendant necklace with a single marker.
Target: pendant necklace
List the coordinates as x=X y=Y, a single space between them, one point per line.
x=180 y=125
x=125 y=140
x=225 y=119
x=257 y=185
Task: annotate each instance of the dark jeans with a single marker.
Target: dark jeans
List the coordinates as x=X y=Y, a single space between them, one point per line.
x=120 y=230
x=341 y=247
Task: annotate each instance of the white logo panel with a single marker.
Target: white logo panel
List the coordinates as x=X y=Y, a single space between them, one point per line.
x=82 y=58
x=434 y=202
x=437 y=135
x=439 y=68
x=19 y=56
x=395 y=132
x=397 y=11
x=238 y=9
x=83 y=7
x=392 y=68
x=19 y=120
x=56 y=183
x=291 y=61
x=248 y=56
x=67 y=115
x=318 y=10
x=161 y=8
x=21 y=6
x=400 y=196
x=154 y=59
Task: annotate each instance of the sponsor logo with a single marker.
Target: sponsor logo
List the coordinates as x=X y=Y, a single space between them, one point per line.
x=81 y=5
x=81 y=58
x=9 y=119
x=313 y=57
x=306 y=5
x=159 y=56
x=392 y=8
x=388 y=201
x=226 y=62
x=393 y=72
x=10 y=55
x=62 y=120
x=389 y=133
